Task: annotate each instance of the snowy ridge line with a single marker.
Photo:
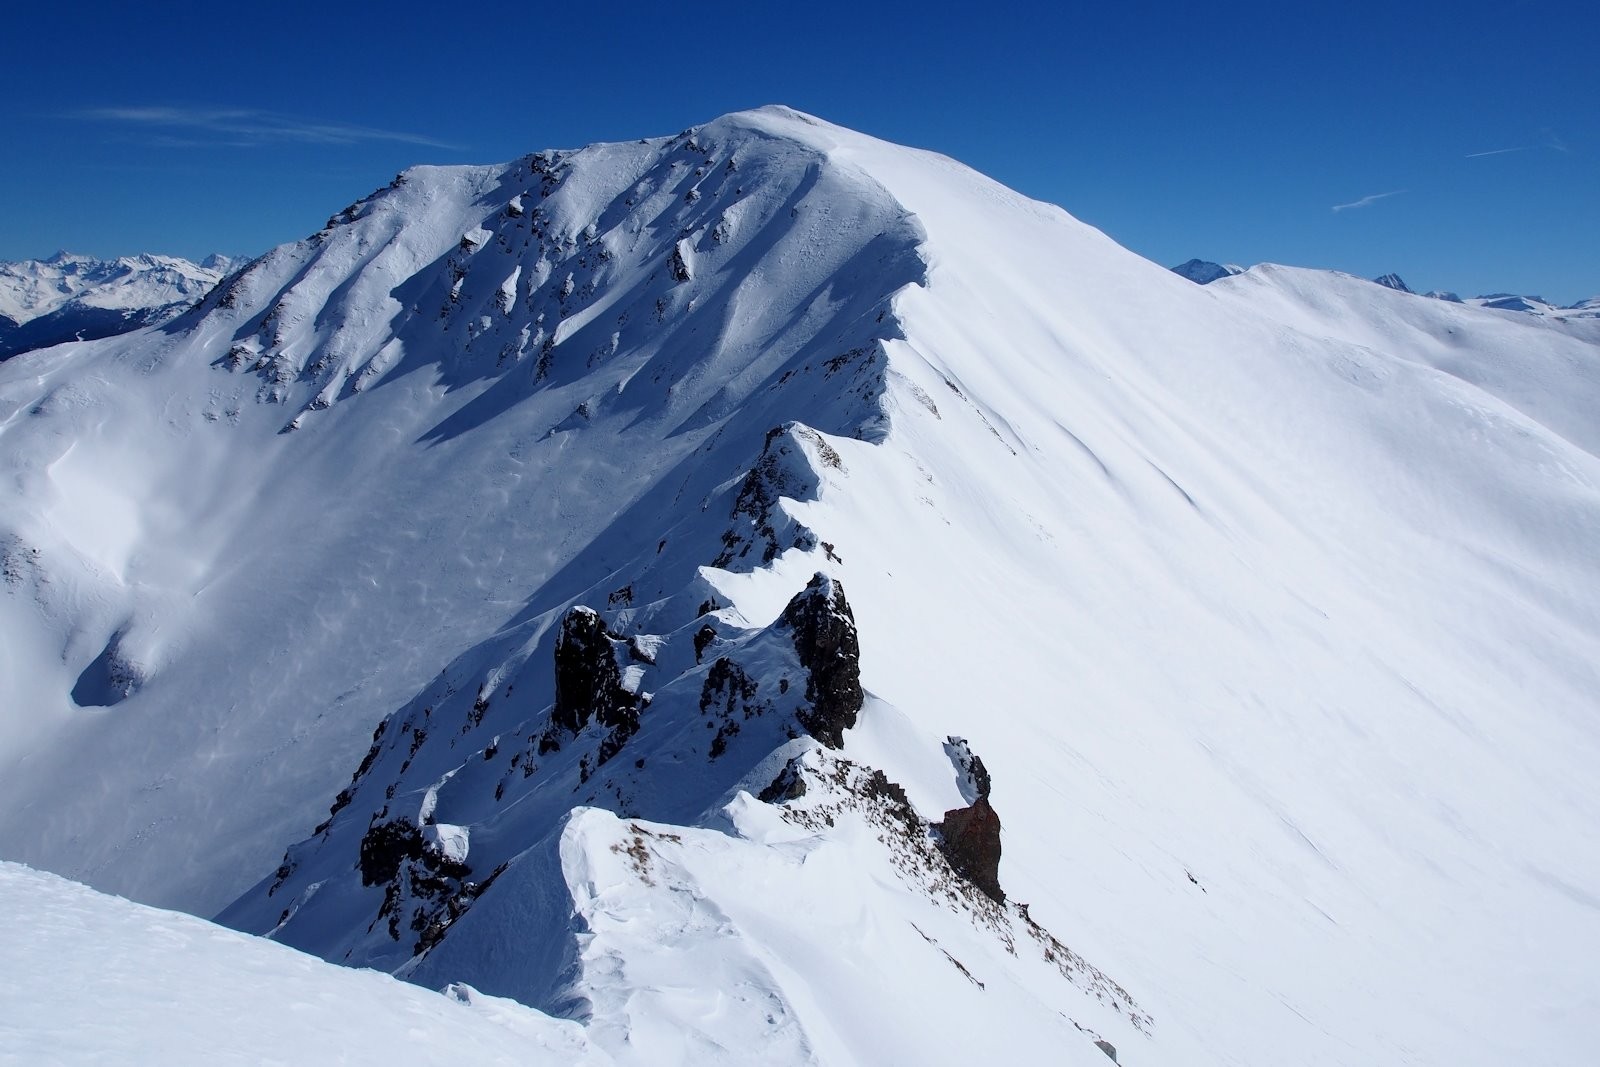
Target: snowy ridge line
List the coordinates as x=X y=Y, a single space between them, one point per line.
x=426 y=890
x=614 y=697
x=1205 y=272
x=437 y=830
x=1268 y=605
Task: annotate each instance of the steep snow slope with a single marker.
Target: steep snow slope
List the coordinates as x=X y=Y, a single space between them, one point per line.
x=67 y=297
x=102 y=980
x=173 y=551
x=1268 y=607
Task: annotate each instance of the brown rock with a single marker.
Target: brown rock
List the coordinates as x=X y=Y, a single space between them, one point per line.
x=970 y=840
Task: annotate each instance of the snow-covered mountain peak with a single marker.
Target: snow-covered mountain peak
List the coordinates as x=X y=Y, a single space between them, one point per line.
x=769 y=588
x=515 y=261
x=1204 y=271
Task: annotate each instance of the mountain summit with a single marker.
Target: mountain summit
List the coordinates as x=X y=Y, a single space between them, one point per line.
x=769 y=589
x=1204 y=271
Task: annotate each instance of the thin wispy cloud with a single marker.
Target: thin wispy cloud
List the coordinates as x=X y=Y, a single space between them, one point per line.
x=245 y=127
x=1547 y=139
x=1365 y=200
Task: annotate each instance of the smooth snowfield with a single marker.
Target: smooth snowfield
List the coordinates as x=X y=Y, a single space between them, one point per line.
x=89 y=979
x=1270 y=606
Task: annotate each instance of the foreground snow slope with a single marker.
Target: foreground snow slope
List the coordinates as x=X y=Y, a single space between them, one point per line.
x=1269 y=607
x=97 y=979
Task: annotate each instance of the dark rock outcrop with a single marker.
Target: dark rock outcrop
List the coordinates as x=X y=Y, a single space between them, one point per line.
x=790 y=784
x=782 y=470
x=970 y=840
x=728 y=696
x=385 y=846
x=589 y=683
x=969 y=837
x=417 y=877
x=703 y=639
x=824 y=630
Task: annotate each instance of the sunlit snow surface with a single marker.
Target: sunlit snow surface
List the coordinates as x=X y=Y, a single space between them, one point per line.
x=1269 y=605
x=98 y=979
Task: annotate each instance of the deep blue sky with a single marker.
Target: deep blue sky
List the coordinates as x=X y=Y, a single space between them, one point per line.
x=1227 y=131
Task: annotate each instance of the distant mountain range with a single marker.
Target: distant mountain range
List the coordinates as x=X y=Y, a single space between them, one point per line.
x=69 y=297
x=1205 y=272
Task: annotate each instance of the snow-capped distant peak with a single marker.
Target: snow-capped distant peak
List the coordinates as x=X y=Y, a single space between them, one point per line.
x=1393 y=281
x=33 y=287
x=1584 y=311
x=1205 y=272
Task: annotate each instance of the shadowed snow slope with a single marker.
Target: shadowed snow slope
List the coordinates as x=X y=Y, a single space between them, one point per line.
x=597 y=497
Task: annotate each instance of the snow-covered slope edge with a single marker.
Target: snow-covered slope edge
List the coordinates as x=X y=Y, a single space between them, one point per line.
x=1276 y=642
x=1581 y=316
x=98 y=979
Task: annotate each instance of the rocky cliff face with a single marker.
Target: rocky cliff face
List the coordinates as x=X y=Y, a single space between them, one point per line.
x=589 y=685
x=824 y=632
x=969 y=837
